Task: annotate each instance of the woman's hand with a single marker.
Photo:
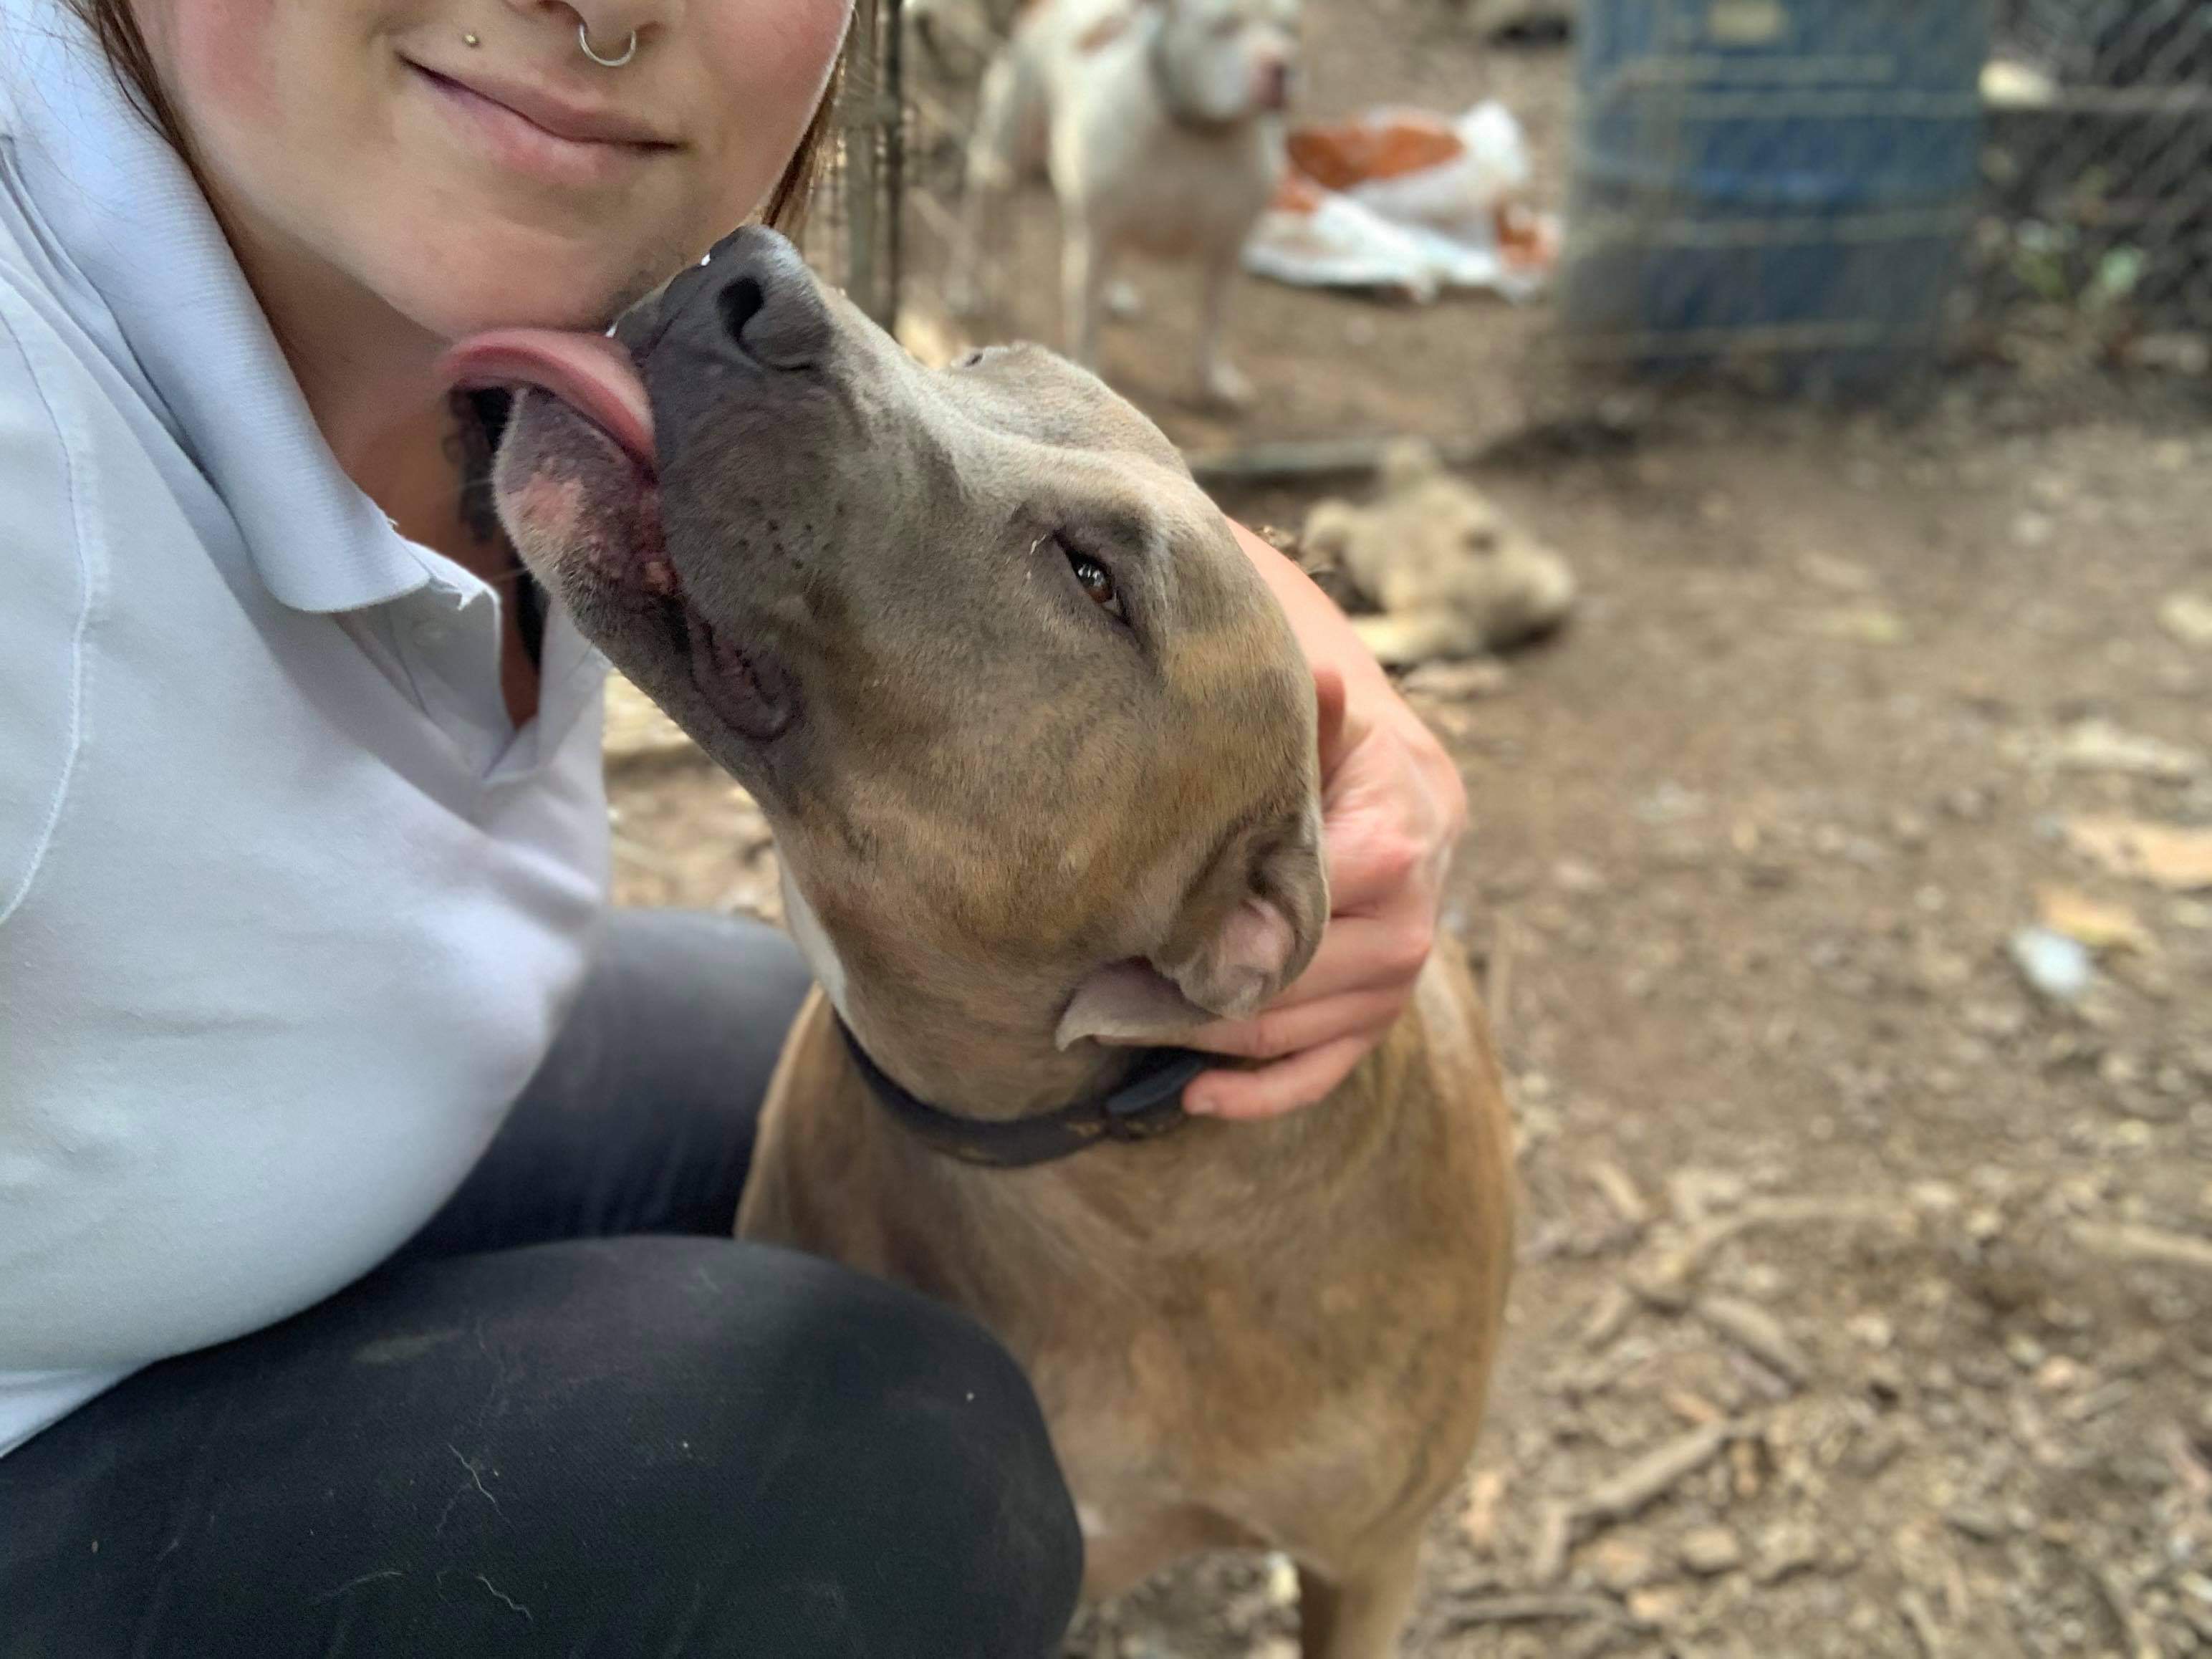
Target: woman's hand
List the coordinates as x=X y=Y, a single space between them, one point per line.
x=1393 y=808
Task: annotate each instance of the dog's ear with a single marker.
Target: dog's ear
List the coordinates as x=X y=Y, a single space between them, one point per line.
x=1105 y=31
x=1246 y=929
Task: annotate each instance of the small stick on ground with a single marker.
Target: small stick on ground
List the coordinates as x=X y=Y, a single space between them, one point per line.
x=2150 y=1246
x=1920 y=1617
x=1478 y=1520
x=1529 y=1610
x=1593 y=1639
x=1759 y=1334
x=1555 y=1534
x=1657 y=1471
x=1621 y=1191
x=1664 y=1280
x=2195 y=1479
x=2142 y=1640
x=1607 y=1315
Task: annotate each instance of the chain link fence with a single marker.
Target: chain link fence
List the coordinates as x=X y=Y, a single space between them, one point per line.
x=854 y=230
x=1771 y=186
x=886 y=209
x=2099 y=169
x=2093 y=198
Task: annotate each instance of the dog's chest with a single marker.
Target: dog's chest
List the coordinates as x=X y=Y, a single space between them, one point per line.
x=1175 y=1439
x=1171 y=192
x=1281 y=1346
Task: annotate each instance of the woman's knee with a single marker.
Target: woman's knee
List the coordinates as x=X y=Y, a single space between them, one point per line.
x=866 y=1468
x=709 y=1446
x=928 y=1440
x=841 y=1464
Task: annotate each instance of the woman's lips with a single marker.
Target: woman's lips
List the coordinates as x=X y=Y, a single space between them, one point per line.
x=531 y=132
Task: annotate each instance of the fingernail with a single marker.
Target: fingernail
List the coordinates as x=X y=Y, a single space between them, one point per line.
x=1199 y=1105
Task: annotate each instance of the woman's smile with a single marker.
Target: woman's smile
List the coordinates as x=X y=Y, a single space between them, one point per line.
x=532 y=131
x=460 y=165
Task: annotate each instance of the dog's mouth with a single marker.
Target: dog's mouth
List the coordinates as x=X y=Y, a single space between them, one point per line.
x=578 y=486
x=577 y=481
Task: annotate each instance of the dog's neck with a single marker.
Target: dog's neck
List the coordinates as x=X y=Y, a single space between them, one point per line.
x=956 y=1057
x=959 y=1041
x=1178 y=111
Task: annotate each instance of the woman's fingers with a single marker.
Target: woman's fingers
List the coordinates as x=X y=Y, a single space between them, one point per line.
x=1357 y=953
x=1367 y=953
x=1285 y=1027
x=1331 y=707
x=1386 y=829
x=1285 y=1086
x=1372 y=861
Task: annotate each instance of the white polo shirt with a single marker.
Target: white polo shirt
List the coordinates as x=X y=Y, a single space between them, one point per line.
x=288 y=910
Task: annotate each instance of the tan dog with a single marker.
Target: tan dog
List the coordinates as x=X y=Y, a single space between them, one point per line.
x=1040 y=753
x=1452 y=575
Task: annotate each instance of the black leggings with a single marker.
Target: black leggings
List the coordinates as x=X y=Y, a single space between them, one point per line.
x=540 y=1430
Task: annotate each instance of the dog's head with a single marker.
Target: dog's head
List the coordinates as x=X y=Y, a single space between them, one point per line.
x=1221 y=61
x=1434 y=540
x=1036 y=740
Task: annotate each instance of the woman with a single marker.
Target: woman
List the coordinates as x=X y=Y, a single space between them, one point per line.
x=366 y=1283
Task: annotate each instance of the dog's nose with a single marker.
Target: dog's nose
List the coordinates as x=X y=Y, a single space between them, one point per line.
x=756 y=294
x=1274 y=88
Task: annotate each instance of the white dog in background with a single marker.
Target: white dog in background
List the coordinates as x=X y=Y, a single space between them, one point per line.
x=1160 y=124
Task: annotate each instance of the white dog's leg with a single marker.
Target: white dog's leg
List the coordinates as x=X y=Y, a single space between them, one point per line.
x=994 y=167
x=1218 y=380
x=1399 y=638
x=1084 y=275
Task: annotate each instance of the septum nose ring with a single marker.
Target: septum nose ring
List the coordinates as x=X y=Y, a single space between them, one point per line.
x=629 y=50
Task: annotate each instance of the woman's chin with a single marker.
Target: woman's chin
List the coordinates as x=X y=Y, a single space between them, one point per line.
x=520 y=279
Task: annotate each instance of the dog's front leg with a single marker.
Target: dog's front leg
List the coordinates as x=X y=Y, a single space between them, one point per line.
x=1360 y=1615
x=993 y=164
x=1400 y=638
x=1218 y=380
x=1084 y=273
x=964 y=294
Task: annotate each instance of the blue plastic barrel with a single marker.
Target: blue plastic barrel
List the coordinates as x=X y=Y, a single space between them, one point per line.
x=1791 y=181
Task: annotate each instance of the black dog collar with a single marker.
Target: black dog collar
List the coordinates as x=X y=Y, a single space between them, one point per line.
x=1146 y=1107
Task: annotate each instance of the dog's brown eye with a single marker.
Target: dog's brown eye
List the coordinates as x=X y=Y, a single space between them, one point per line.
x=1096 y=582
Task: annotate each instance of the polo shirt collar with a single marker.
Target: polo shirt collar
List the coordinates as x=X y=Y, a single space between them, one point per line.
x=161 y=284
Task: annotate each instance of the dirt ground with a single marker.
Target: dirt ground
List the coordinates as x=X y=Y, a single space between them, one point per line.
x=1865 y=1297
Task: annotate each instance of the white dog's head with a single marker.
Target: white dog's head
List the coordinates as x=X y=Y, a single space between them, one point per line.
x=1226 y=60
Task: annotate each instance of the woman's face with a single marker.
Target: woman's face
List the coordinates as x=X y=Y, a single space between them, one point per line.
x=464 y=160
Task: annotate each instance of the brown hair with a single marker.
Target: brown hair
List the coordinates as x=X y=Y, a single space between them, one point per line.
x=116 y=27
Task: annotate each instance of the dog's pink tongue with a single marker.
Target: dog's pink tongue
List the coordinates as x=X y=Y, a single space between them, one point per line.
x=592 y=374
